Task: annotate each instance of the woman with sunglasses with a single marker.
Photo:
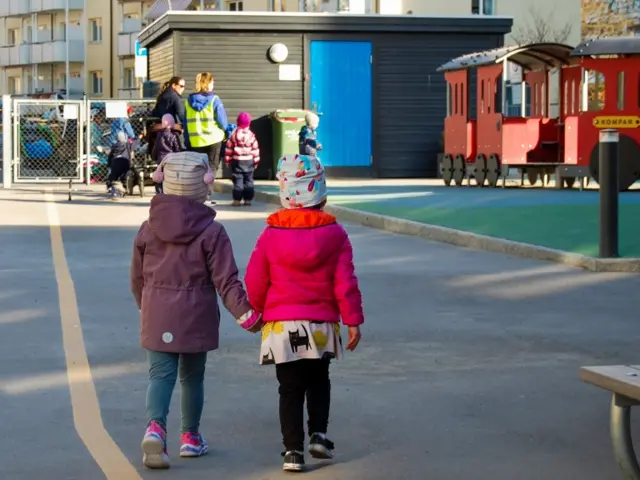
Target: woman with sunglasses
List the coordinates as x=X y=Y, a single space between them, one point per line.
x=170 y=100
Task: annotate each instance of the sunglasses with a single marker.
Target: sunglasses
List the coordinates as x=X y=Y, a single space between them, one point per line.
x=182 y=85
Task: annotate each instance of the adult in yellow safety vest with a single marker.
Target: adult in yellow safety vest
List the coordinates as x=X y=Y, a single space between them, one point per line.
x=206 y=121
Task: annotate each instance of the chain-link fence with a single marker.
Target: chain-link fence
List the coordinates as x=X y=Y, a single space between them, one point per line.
x=47 y=140
x=106 y=119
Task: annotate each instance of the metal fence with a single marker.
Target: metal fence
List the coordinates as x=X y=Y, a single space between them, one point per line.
x=106 y=119
x=51 y=141
x=47 y=140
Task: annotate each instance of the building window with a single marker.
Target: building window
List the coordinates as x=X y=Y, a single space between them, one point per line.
x=14 y=85
x=95 y=30
x=483 y=7
x=129 y=78
x=96 y=83
x=236 y=7
x=12 y=36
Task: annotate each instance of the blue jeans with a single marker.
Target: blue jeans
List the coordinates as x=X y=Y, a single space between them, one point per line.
x=163 y=373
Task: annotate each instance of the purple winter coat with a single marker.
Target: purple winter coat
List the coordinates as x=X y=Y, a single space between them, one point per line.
x=182 y=260
x=166 y=142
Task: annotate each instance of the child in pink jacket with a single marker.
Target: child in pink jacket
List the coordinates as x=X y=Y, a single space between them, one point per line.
x=301 y=277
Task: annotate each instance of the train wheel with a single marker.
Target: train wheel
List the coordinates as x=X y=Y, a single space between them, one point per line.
x=569 y=182
x=480 y=170
x=493 y=170
x=532 y=177
x=459 y=170
x=447 y=169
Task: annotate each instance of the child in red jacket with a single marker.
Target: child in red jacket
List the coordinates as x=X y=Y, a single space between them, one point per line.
x=242 y=155
x=301 y=277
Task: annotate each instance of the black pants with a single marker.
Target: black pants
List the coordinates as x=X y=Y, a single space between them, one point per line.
x=213 y=152
x=243 y=185
x=118 y=170
x=297 y=379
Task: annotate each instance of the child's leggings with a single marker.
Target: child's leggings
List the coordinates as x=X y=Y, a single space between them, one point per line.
x=298 y=379
x=163 y=372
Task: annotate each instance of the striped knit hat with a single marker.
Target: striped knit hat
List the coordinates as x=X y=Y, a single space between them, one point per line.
x=185 y=174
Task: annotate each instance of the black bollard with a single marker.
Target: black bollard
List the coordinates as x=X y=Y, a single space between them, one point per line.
x=608 y=179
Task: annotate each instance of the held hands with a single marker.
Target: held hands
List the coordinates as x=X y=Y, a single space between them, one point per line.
x=257 y=326
x=354 y=338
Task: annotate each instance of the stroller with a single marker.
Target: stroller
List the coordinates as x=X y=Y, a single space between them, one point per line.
x=134 y=176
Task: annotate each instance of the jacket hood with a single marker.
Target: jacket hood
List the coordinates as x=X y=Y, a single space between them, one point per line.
x=200 y=101
x=312 y=238
x=177 y=219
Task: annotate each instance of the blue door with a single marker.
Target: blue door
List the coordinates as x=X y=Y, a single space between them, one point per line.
x=341 y=95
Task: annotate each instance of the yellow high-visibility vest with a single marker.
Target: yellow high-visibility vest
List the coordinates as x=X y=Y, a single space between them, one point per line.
x=202 y=128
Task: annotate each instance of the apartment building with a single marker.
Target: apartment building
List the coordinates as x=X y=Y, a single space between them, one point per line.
x=82 y=46
x=534 y=20
x=88 y=46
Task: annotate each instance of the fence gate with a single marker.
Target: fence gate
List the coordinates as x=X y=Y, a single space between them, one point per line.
x=47 y=140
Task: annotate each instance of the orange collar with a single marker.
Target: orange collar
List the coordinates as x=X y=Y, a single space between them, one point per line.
x=300 y=218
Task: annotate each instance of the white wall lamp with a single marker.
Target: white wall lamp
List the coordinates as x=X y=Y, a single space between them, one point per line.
x=278 y=52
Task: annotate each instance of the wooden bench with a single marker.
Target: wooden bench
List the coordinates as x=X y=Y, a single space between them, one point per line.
x=624 y=384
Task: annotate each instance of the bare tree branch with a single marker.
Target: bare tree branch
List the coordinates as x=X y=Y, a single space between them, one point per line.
x=539 y=29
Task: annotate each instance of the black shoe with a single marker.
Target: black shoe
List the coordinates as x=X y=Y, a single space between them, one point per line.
x=293 y=461
x=320 y=446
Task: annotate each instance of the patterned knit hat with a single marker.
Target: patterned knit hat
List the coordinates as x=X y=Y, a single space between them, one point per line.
x=302 y=181
x=186 y=174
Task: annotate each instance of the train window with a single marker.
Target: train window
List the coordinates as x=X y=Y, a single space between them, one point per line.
x=488 y=84
x=462 y=106
x=565 y=96
x=482 y=96
x=595 y=88
x=574 y=98
x=448 y=99
x=455 y=100
x=620 y=90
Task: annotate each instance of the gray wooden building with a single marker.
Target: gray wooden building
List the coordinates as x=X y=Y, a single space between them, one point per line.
x=372 y=78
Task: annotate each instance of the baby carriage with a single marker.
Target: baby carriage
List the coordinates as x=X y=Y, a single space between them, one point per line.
x=132 y=178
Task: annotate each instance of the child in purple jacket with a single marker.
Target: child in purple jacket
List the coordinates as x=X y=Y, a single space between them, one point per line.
x=167 y=141
x=182 y=262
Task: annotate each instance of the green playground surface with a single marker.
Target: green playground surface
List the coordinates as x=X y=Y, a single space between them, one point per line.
x=565 y=220
x=572 y=228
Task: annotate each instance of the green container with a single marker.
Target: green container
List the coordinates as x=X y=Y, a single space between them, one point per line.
x=286 y=126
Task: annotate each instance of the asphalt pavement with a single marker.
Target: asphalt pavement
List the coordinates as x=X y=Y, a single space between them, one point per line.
x=468 y=367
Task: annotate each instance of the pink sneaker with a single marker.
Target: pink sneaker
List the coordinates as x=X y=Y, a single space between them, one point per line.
x=154 y=447
x=193 y=445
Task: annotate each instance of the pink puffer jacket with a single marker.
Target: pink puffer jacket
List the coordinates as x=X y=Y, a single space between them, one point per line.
x=302 y=269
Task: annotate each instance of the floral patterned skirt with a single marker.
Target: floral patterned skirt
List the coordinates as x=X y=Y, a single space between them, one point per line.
x=294 y=340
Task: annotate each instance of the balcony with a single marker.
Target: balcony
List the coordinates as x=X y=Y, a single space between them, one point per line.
x=55 y=51
x=15 y=56
x=129 y=93
x=38 y=6
x=131 y=25
x=10 y=8
x=127 y=44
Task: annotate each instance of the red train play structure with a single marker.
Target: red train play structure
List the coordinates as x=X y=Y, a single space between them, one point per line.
x=597 y=85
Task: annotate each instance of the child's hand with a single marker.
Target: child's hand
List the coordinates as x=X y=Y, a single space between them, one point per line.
x=257 y=327
x=354 y=338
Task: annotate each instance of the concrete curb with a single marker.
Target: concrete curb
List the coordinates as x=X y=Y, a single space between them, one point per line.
x=461 y=238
